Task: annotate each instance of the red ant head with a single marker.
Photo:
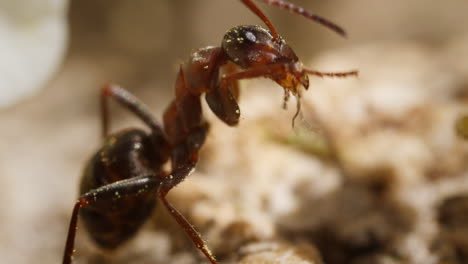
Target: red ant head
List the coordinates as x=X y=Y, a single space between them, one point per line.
x=251 y=46
x=255 y=48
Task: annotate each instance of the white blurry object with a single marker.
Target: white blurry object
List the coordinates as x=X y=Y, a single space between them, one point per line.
x=33 y=36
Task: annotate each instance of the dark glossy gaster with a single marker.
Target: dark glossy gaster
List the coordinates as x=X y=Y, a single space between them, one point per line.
x=123 y=180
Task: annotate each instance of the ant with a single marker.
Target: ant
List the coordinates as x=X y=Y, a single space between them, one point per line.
x=123 y=180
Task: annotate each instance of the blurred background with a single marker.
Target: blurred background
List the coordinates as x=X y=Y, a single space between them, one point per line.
x=56 y=54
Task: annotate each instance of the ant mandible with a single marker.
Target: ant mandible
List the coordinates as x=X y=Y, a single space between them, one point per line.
x=123 y=180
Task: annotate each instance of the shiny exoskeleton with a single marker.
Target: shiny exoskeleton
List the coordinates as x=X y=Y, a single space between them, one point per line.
x=123 y=180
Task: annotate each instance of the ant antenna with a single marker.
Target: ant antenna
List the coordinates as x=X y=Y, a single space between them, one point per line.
x=294 y=9
x=262 y=16
x=332 y=74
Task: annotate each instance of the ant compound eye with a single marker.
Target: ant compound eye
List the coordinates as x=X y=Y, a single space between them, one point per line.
x=249 y=36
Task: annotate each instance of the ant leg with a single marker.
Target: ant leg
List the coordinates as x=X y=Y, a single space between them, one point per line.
x=170 y=182
x=70 y=244
x=104 y=107
x=222 y=98
x=130 y=102
x=332 y=74
x=189 y=229
x=113 y=191
x=258 y=71
x=234 y=86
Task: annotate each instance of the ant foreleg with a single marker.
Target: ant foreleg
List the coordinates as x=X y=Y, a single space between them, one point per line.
x=234 y=86
x=130 y=102
x=258 y=71
x=117 y=190
x=222 y=98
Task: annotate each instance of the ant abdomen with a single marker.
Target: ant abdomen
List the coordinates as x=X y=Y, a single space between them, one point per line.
x=124 y=155
x=249 y=46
